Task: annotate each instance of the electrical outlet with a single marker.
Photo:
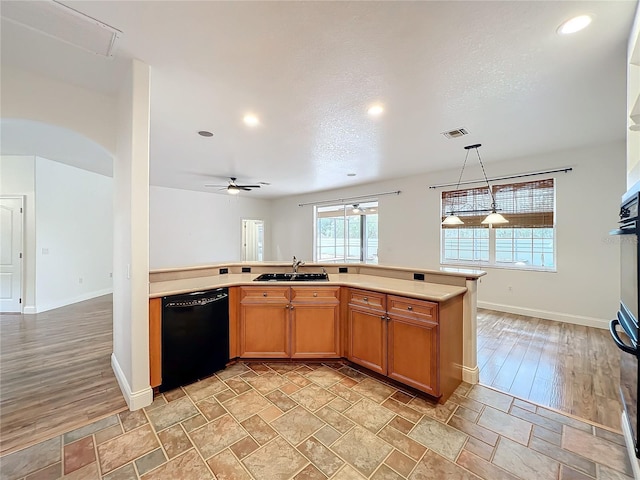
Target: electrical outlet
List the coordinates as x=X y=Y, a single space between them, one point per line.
x=80 y=280
x=110 y=274
x=45 y=251
x=510 y=289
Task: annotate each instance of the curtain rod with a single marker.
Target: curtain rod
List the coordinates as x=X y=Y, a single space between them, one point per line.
x=372 y=196
x=564 y=170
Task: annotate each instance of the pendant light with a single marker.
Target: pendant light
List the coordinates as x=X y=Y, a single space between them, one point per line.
x=452 y=218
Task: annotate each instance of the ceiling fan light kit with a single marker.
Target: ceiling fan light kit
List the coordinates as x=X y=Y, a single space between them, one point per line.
x=234 y=189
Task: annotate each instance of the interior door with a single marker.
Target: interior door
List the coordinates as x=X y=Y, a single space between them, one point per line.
x=11 y=254
x=252 y=240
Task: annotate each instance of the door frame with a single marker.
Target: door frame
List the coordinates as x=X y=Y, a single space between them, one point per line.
x=22 y=249
x=264 y=236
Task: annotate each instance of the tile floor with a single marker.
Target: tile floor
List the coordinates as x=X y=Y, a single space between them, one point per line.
x=272 y=421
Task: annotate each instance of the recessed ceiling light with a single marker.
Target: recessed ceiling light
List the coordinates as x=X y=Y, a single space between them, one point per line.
x=375 y=110
x=204 y=133
x=250 y=120
x=574 y=24
x=351 y=174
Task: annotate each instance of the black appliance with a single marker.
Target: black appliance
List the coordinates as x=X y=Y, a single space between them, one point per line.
x=627 y=317
x=195 y=336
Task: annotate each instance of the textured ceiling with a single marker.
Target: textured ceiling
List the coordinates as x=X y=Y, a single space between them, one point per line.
x=310 y=70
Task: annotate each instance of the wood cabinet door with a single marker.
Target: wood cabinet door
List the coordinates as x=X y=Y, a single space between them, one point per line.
x=315 y=330
x=264 y=330
x=413 y=353
x=367 y=338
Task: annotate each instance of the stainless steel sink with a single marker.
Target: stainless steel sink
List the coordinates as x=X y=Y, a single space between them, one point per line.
x=292 y=277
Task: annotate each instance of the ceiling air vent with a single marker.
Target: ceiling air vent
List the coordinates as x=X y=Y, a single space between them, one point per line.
x=459 y=132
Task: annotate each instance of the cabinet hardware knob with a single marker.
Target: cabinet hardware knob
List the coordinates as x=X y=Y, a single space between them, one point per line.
x=388 y=318
x=365 y=299
x=383 y=317
x=409 y=307
x=264 y=294
x=291 y=307
x=315 y=294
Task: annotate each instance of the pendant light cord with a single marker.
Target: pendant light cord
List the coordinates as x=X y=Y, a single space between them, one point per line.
x=493 y=200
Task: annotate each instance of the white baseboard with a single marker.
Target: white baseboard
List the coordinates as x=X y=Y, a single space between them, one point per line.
x=135 y=400
x=29 y=310
x=628 y=439
x=67 y=301
x=547 y=315
x=471 y=375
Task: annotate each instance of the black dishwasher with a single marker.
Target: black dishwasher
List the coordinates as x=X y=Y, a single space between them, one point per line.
x=195 y=336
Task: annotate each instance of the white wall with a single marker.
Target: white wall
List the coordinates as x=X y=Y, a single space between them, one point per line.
x=17 y=177
x=583 y=290
x=74 y=234
x=198 y=228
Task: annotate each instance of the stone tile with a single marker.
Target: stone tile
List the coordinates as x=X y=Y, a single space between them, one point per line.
x=297 y=379
x=482 y=468
x=108 y=433
x=281 y=400
x=158 y=401
x=348 y=382
x=123 y=473
x=249 y=374
x=232 y=371
x=205 y=388
x=224 y=395
x=536 y=419
x=297 y=424
x=323 y=458
x=188 y=466
x=574 y=461
x=313 y=397
x=368 y=414
x=467 y=403
x=376 y=391
x=402 y=397
x=567 y=473
x=310 y=473
x=433 y=466
x=596 y=449
x=347 y=371
x=327 y=435
x=226 y=467
x=290 y=388
x=346 y=393
x=174 y=394
x=121 y=450
x=277 y=460
x=433 y=409
x=463 y=389
x=547 y=435
x=339 y=404
x=385 y=473
x=506 y=425
x=245 y=405
x=172 y=413
x=211 y=408
x=490 y=397
x=324 y=376
x=283 y=367
x=238 y=385
x=400 y=463
x=267 y=383
x=94 y=427
x=611 y=436
x=175 y=441
x=479 y=448
x=78 y=454
x=244 y=447
x=467 y=414
x=131 y=420
x=401 y=424
x=52 y=472
x=470 y=428
x=606 y=473
x=525 y=463
x=270 y=413
x=348 y=473
x=335 y=419
x=150 y=461
x=362 y=449
x=259 y=368
x=194 y=422
x=31 y=459
x=524 y=405
x=259 y=429
x=402 y=409
x=402 y=443
x=558 y=417
x=88 y=472
x=439 y=437
x=217 y=435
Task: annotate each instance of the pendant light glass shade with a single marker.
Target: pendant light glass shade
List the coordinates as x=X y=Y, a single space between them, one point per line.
x=452 y=220
x=494 y=218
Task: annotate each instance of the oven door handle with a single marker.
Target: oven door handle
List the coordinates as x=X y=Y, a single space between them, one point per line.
x=621 y=345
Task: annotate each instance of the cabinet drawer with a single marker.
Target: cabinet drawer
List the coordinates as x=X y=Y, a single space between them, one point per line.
x=315 y=294
x=409 y=307
x=264 y=294
x=366 y=298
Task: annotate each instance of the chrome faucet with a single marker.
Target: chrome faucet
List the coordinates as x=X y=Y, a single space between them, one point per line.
x=296 y=264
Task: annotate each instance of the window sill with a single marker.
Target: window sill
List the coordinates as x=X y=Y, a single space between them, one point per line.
x=485 y=266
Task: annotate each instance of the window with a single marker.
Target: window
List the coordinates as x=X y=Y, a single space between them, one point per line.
x=346 y=233
x=527 y=241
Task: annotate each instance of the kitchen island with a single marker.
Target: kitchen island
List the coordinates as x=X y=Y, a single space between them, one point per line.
x=415 y=326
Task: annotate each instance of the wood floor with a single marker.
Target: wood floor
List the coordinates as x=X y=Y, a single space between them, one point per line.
x=571 y=368
x=55 y=372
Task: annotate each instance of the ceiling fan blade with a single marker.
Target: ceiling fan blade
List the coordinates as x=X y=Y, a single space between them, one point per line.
x=243 y=187
x=248 y=186
x=212 y=185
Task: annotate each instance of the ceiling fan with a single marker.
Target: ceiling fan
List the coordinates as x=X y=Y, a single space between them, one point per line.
x=233 y=188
